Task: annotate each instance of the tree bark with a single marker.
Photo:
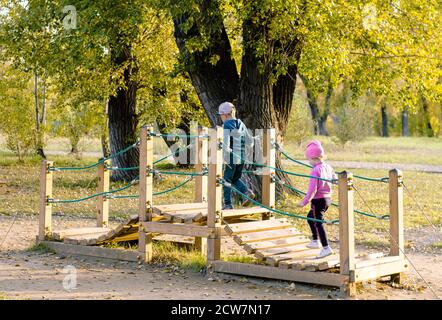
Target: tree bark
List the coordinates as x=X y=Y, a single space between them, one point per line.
x=261 y=103
x=428 y=127
x=214 y=83
x=384 y=120
x=123 y=120
x=319 y=119
x=405 y=131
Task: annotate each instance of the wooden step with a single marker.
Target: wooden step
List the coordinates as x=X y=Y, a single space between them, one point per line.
x=265 y=235
x=179 y=207
x=312 y=264
x=261 y=254
x=61 y=234
x=274 y=260
x=86 y=239
x=254 y=246
x=243 y=211
x=262 y=225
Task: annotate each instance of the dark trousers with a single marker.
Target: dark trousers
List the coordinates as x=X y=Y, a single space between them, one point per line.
x=318 y=209
x=232 y=174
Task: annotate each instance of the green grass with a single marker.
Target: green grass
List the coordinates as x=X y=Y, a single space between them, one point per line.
x=414 y=150
x=370 y=231
x=437 y=245
x=19 y=193
x=40 y=248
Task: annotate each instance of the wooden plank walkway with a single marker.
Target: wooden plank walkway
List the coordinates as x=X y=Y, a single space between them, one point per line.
x=278 y=244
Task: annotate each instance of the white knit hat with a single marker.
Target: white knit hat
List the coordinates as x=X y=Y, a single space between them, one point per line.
x=226 y=108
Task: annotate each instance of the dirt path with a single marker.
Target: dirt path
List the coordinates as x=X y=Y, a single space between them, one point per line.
x=36 y=275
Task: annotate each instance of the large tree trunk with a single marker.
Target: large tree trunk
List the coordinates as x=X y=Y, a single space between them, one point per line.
x=319 y=119
x=261 y=103
x=384 y=120
x=214 y=83
x=405 y=131
x=123 y=120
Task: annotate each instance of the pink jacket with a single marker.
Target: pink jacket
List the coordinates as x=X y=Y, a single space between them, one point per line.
x=319 y=188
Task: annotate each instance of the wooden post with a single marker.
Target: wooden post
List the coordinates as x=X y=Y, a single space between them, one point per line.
x=201 y=161
x=396 y=217
x=268 y=183
x=145 y=200
x=45 y=223
x=346 y=228
x=214 y=194
x=103 y=186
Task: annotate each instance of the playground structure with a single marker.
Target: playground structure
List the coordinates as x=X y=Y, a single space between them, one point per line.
x=280 y=247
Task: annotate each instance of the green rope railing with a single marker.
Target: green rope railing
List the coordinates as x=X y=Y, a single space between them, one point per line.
x=53 y=168
x=180 y=173
x=228 y=185
x=173 y=188
x=380 y=217
x=173 y=135
x=384 y=179
x=105 y=193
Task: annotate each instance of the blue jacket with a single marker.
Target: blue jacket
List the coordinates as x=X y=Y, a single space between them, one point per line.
x=236 y=136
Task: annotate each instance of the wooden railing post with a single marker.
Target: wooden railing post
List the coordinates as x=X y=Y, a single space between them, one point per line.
x=201 y=162
x=396 y=213
x=145 y=199
x=103 y=186
x=268 y=183
x=214 y=204
x=45 y=211
x=346 y=228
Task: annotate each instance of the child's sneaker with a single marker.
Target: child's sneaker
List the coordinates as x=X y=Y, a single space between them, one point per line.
x=326 y=251
x=314 y=244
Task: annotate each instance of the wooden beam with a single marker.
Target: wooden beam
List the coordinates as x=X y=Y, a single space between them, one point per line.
x=45 y=211
x=93 y=251
x=362 y=263
x=178 y=229
x=146 y=184
x=396 y=213
x=103 y=186
x=268 y=184
x=215 y=193
x=379 y=270
x=246 y=269
x=346 y=223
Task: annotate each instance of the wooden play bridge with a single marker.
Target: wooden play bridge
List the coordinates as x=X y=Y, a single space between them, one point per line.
x=279 y=247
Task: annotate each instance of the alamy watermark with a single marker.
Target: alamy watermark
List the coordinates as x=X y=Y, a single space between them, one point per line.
x=70 y=280
x=70 y=19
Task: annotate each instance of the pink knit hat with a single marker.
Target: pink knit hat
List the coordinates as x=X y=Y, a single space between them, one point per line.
x=314 y=149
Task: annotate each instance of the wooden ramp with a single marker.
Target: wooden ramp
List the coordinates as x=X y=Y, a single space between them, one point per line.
x=278 y=244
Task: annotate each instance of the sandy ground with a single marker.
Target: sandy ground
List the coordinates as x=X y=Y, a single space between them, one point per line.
x=28 y=274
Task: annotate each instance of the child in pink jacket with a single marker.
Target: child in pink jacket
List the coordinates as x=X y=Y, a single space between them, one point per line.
x=319 y=194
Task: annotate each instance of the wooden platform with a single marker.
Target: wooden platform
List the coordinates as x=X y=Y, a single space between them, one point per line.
x=171 y=216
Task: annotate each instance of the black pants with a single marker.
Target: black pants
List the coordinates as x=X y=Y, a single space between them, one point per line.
x=319 y=207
